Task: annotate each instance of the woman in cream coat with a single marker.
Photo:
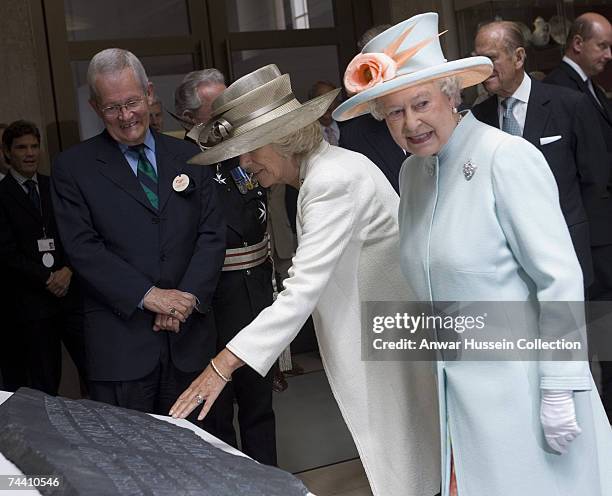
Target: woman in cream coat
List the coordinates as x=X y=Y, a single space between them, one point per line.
x=348 y=247
x=480 y=221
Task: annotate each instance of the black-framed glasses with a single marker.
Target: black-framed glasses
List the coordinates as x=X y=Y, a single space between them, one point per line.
x=113 y=111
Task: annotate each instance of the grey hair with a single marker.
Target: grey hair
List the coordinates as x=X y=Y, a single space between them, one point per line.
x=186 y=96
x=512 y=34
x=112 y=61
x=300 y=143
x=450 y=86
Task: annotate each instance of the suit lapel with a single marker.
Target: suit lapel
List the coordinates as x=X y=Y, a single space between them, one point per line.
x=538 y=113
x=487 y=112
x=604 y=107
x=234 y=218
x=574 y=76
x=584 y=87
x=45 y=199
x=115 y=167
x=21 y=197
x=167 y=170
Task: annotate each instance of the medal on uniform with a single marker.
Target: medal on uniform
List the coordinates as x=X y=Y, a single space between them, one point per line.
x=262 y=212
x=219 y=176
x=244 y=182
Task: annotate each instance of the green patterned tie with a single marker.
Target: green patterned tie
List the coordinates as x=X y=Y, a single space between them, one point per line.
x=146 y=175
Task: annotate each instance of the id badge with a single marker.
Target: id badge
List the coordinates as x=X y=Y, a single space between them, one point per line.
x=46 y=244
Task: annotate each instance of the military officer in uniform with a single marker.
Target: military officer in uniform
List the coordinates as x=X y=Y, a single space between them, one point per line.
x=245 y=285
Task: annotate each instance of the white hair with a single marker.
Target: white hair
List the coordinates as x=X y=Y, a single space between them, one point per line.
x=186 y=96
x=113 y=61
x=450 y=86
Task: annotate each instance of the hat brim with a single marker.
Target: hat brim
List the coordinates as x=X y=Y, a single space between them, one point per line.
x=268 y=132
x=470 y=71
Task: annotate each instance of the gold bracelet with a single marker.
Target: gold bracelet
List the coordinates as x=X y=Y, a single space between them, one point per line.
x=212 y=363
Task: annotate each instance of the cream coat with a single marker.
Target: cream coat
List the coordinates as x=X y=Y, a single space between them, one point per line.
x=348 y=252
x=501 y=236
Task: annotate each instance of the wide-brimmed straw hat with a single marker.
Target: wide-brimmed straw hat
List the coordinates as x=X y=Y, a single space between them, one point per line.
x=255 y=110
x=407 y=54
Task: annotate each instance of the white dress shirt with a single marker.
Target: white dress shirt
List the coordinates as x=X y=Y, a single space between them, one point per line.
x=582 y=75
x=22 y=179
x=520 y=108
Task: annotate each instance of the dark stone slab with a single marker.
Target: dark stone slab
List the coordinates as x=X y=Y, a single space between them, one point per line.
x=98 y=449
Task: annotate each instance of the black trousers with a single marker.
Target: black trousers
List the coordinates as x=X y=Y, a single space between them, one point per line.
x=255 y=415
x=601 y=291
x=154 y=393
x=13 y=351
x=41 y=343
x=240 y=296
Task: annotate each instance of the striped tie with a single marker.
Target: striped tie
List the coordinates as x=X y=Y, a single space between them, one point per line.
x=146 y=175
x=509 y=122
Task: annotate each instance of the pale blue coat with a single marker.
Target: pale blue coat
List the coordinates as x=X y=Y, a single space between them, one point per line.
x=500 y=236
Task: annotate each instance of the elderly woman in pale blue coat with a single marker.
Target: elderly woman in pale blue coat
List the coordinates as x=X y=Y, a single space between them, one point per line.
x=480 y=221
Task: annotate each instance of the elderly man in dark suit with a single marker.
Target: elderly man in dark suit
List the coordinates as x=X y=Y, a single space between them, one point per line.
x=557 y=121
x=47 y=301
x=587 y=52
x=143 y=230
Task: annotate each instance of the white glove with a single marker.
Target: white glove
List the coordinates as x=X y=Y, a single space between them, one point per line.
x=558 y=418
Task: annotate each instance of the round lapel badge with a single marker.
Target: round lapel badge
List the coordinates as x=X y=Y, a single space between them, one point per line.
x=180 y=183
x=47 y=260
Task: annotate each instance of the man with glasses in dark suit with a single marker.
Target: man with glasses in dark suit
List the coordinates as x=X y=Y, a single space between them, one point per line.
x=143 y=230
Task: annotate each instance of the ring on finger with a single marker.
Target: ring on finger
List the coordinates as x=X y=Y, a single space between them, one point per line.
x=198 y=399
x=172 y=311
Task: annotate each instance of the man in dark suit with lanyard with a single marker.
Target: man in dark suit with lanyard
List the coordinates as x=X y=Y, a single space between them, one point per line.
x=555 y=120
x=47 y=297
x=587 y=52
x=143 y=230
x=245 y=285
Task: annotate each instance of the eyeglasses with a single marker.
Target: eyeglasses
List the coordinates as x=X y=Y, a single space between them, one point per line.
x=113 y=111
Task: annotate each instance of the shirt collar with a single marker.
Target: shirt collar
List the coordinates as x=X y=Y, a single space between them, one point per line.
x=333 y=126
x=576 y=67
x=149 y=142
x=22 y=179
x=522 y=92
x=459 y=134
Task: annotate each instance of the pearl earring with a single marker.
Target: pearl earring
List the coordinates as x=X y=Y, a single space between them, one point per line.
x=454 y=110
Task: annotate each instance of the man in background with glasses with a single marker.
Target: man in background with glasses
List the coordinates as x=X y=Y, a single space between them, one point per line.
x=143 y=230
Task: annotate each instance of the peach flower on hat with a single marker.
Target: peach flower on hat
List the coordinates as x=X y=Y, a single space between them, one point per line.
x=416 y=58
x=367 y=70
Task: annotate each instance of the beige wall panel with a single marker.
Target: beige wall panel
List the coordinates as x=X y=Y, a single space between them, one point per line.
x=20 y=92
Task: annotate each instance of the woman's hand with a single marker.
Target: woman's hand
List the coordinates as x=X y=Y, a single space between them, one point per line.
x=207 y=387
x=558 y=418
